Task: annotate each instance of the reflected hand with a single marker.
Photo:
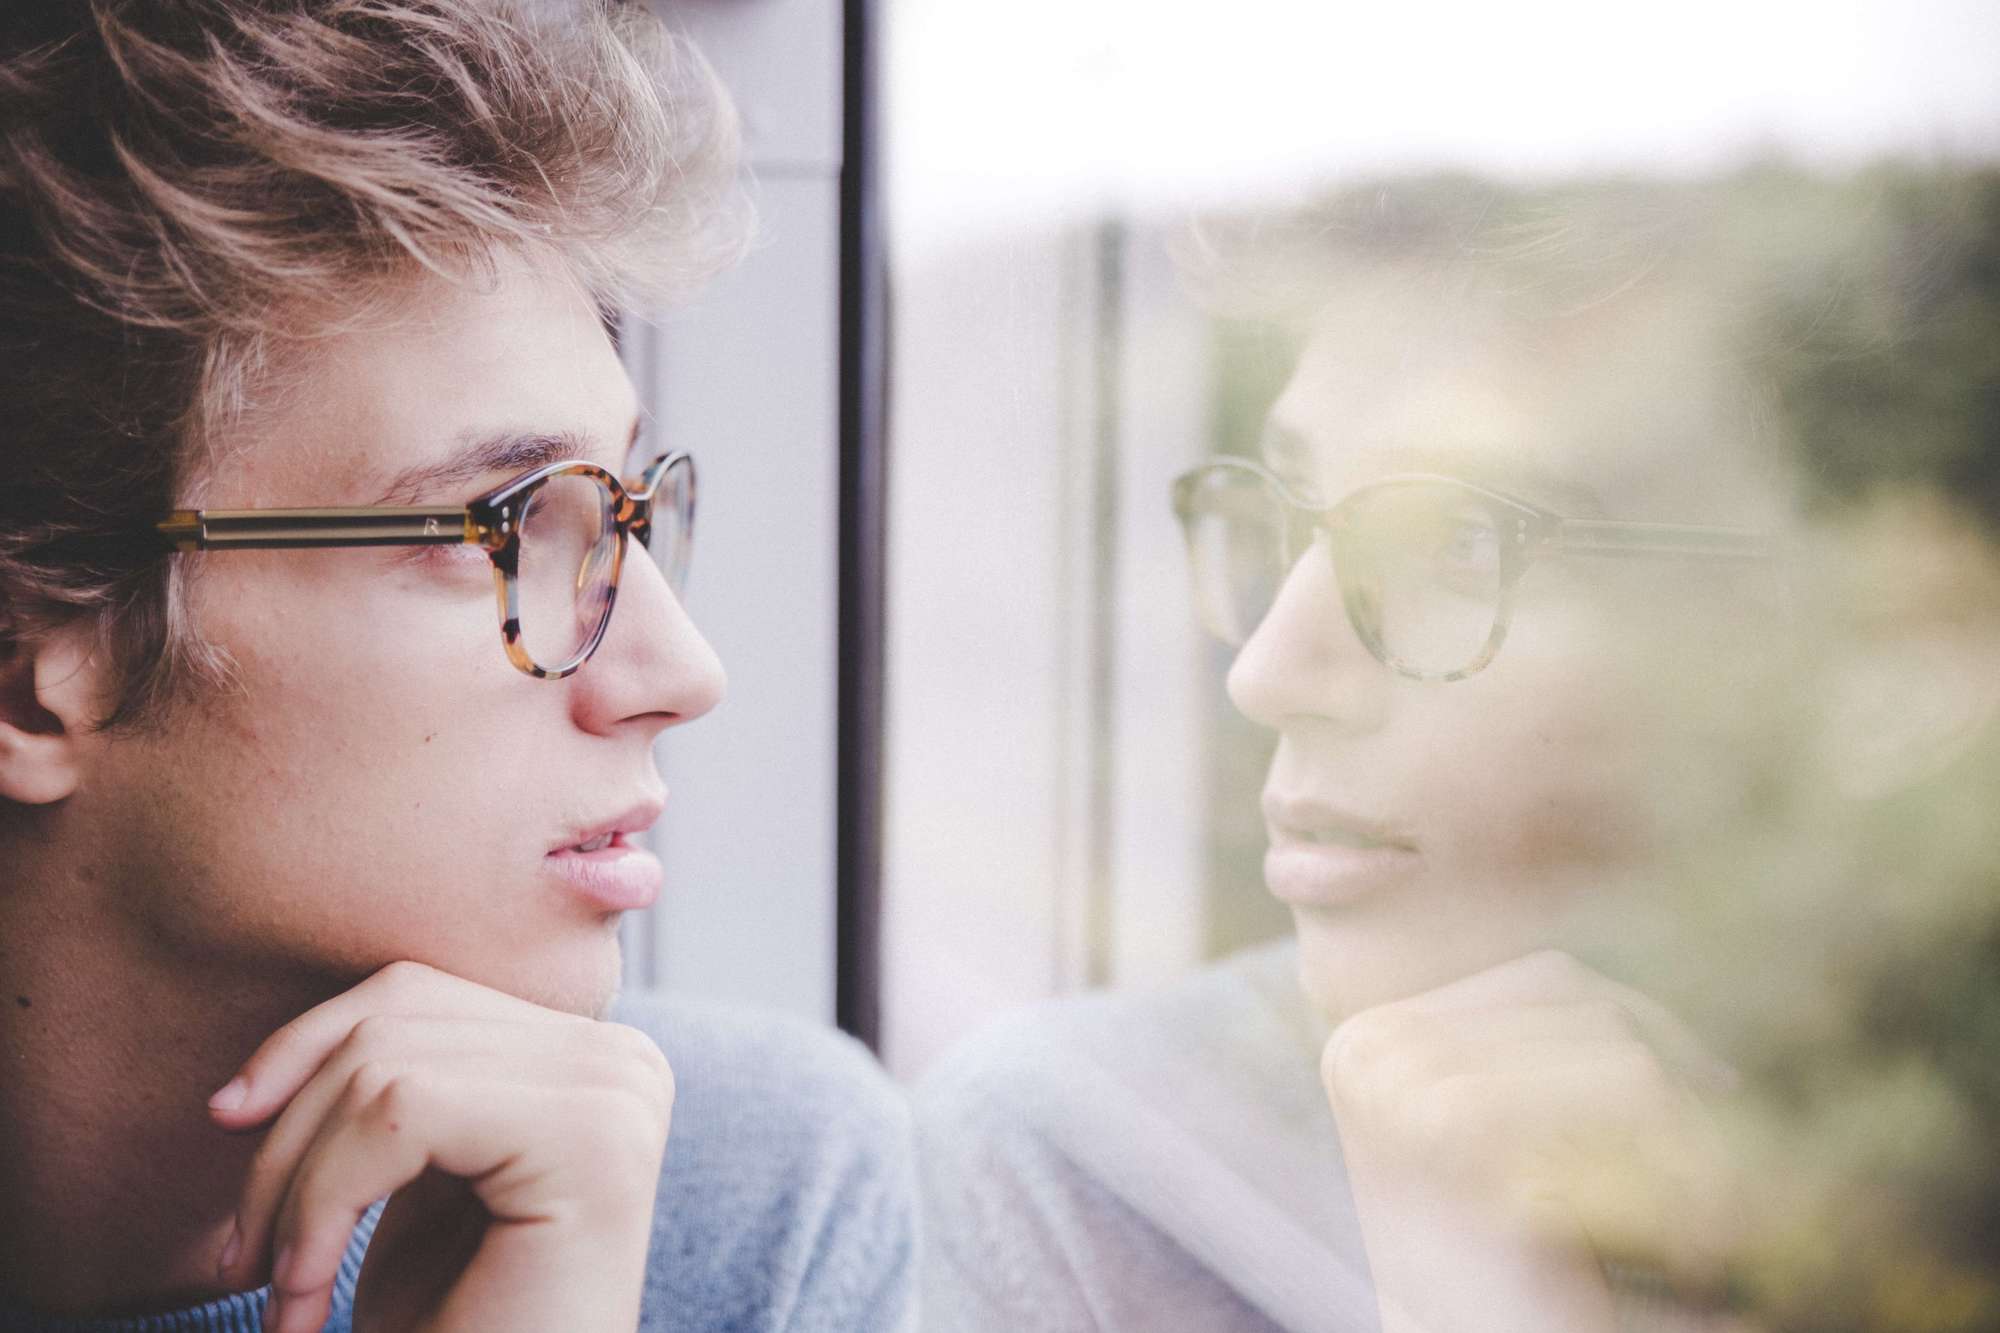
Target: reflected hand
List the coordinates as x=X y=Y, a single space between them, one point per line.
x=1504 y=1132
x=521 y=1148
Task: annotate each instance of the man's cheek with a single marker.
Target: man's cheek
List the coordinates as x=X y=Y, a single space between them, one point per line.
x=1572 y=830
x=1561 y=800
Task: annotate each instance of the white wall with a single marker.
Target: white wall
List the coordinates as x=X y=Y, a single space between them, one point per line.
x=746 y=378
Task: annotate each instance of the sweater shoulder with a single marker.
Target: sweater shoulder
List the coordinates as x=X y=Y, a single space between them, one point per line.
x=787 y=1198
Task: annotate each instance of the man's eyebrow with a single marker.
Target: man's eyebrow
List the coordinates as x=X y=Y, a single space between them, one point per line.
x=484 y=455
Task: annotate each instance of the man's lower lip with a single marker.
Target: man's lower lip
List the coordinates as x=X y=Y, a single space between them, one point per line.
x=1318 y=874
x=617 y=878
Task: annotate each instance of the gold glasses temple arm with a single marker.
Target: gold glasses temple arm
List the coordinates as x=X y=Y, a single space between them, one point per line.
x=278 y=529
x=1583 y=536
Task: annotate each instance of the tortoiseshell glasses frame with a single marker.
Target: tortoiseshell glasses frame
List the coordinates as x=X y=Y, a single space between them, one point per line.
x=662 y=502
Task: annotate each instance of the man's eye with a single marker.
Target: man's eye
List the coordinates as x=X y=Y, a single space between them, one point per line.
x=1471 y=544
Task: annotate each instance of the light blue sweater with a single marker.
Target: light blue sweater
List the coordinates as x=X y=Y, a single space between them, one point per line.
x=786 y=1202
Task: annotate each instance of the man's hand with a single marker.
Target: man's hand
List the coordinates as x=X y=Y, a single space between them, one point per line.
x=1504 y=1131
x=522 y=1147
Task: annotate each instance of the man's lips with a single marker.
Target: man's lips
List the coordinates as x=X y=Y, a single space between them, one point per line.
x=1322 y=855
x=635 y=818
x=603 y=864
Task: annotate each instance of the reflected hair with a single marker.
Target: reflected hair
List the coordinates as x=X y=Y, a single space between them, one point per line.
x=189 y=188
x=1861 y=308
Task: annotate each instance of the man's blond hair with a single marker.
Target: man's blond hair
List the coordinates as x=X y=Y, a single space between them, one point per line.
x=188 y=186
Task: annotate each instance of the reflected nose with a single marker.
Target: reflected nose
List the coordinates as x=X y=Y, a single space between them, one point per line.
x=654 y=669
x=1304 y=659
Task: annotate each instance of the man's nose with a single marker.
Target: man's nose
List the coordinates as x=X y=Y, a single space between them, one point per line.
x=653 y=669
x=1304 y=659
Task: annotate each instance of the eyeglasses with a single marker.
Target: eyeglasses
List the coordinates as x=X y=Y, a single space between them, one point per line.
x=556 y=537
x=1426 y=565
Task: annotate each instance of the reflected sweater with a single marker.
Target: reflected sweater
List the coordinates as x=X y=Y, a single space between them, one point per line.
x=1143 y=1162
x=786 y=1199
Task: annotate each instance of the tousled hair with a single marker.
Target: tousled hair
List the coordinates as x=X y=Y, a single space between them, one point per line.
x=188 y=187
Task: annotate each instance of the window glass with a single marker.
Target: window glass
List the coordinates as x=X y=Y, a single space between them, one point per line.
x=1441 y=562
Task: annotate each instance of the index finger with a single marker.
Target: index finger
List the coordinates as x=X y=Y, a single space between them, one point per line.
x=286 y=1059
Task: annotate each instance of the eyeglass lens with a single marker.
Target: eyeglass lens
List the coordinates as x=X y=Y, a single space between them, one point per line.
x=568 y=555
x=1423 y=561
x=670 y=535
x=1420 y=564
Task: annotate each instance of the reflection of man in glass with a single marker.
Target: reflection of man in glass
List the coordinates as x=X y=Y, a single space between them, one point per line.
x=1515 y=583
x=325 y=765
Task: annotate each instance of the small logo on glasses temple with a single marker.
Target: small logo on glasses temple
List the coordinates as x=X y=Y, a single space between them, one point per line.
x=430 y=527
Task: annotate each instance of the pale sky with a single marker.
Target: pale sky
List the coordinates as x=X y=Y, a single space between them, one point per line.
x=1000 y=114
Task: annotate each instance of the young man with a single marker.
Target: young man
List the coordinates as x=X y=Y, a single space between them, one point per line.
x=313 y=865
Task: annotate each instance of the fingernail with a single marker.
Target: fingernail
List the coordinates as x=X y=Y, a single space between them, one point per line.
x=230 y=1096
x=232 y=1248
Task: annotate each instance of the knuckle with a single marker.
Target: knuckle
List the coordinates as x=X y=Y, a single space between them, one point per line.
x=647 y=1119
x=373 y=1084
x=401 y=1091
x=633 y=1119
x=654 y=1084
x=630 y=1041
x=643 y=1061
x=402 y=976
x=622 y=1134
x=372 y=1033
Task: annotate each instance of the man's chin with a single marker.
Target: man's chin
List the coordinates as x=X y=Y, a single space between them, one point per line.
x=1346 y=968
x=1355 y=957
x=583 y=980
x=590 y=994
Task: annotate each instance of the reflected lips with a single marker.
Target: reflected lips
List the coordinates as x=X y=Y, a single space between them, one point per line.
x=1322 y=856
x=606 y=868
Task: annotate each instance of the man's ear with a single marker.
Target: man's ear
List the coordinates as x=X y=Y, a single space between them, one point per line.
x=50 y=693
x=1903 y=710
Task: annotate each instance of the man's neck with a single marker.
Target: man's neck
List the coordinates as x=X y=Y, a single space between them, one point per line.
x=116 y=1192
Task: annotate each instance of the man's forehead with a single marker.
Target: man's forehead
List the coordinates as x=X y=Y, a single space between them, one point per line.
x=475 y=380
x=1343 y=420
x=1635 y=425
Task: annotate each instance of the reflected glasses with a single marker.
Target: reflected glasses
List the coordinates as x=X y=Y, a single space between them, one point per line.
x=556 y=537
x=1426 y=565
